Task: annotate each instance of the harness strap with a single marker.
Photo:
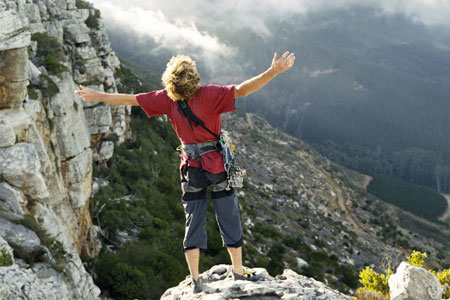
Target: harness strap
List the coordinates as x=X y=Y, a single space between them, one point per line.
x=194 y=151
x=198 y=149
x=186 y=110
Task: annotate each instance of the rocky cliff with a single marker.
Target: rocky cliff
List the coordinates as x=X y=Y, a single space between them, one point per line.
x=49 y=140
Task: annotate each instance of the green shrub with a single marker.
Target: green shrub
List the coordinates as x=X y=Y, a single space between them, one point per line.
x=53 y=66
x=5 y=258
x=348 y=275
x=81 y=4
x=276 y=265
x=93 y=21
x=49 y=87
x=32 y=94
x=121 y=279
x=49 y=52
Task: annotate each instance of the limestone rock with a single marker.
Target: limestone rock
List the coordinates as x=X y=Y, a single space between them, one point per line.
x=35 y=139
x=32 y=12
x=55 y=28
x=93 y=73
x=45 y=154
x=33 y=108
x=7 y=135
x=37 y=282
x=13 y=33
x=106 y=151
x=77 y=32
x=413 y=283
x=14 y=65
x=19 y=120
x=71 y=130
x=13 y=76
x=11 y=199
x=33 y=72
x=48 y=219
x=219 y=285
x=301 y=263
x=19 y=166
x=23 y=240
x=77 y=174
x=98 y=118
x=85 y=52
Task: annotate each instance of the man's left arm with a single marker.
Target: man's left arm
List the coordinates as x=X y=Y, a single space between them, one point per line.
x=284 y=63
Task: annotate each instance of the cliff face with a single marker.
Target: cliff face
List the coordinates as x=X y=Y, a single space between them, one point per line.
x=49 y=140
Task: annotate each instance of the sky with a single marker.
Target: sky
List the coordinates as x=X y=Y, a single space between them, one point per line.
x=187 y=24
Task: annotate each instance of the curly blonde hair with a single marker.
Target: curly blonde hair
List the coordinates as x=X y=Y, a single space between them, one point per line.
x=181 y=79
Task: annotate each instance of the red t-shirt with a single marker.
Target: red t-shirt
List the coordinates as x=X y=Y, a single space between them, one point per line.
x=207 y=104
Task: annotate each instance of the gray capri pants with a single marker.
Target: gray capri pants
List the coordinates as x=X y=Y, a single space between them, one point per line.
x=226 y=206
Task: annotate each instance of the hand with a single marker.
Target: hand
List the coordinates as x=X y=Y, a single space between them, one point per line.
x=87 y=94
x=283 y=64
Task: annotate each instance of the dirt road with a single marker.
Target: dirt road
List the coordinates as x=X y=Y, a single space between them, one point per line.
x=340 y=196
x=446 y=216
x=366 y=181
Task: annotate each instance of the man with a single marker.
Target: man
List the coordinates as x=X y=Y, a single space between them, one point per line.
x=181 y=83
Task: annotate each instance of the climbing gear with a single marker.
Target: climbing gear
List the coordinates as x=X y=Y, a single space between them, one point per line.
x=235 y=175
x=229 y=153
x=248 y=276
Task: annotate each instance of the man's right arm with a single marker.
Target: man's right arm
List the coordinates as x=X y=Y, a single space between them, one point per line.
x=88 y=94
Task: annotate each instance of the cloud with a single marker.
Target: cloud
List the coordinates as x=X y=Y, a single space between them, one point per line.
x=175 y=34
x=190 y=26
x=254 y=13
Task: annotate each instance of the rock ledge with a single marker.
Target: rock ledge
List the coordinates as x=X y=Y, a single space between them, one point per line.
x=219 y=285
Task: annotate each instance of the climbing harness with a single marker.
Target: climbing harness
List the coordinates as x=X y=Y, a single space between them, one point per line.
x=235 y=175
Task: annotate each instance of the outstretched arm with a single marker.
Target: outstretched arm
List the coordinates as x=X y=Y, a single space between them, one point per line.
x=88 y=94
x=278 y=66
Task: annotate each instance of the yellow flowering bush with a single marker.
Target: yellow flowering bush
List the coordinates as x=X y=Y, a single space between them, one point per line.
x=371 y=280
x=416 y=258
x=376 y=287
x=444 y=279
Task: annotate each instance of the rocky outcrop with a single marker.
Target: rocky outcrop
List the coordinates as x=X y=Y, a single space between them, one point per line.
x=219 y=285
x=14 y=38
x=414 y=283
x=49 y=140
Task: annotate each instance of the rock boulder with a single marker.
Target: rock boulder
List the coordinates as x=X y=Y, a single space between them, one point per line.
x=413 y=283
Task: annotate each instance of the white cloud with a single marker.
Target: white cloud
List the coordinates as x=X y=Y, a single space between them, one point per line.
x=176 y=34
x=253 y=14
